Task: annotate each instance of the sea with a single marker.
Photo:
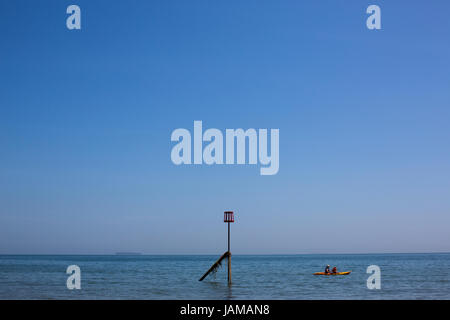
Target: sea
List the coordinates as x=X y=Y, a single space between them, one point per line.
x=402 y=276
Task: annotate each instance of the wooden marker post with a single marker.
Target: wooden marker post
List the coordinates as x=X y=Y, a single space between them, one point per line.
x=228 y=217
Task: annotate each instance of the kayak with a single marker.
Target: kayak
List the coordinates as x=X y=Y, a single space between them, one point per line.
x=332 y=274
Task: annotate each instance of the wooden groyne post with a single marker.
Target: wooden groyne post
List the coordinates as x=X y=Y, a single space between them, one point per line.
x=228 y=217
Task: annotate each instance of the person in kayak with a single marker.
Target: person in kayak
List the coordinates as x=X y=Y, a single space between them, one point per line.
x=327 y=269
x=334 y=270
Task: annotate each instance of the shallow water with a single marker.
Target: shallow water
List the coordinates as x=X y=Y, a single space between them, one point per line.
x=403 y=276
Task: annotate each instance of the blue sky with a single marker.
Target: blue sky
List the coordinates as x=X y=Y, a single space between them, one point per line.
x=86 y=117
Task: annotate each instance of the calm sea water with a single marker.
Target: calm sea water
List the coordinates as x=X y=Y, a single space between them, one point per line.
x=403 y=276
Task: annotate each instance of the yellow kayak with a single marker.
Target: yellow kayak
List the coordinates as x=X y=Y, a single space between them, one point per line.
x=332 y=274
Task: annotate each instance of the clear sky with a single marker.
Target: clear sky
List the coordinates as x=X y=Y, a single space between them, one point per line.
x=86 y=118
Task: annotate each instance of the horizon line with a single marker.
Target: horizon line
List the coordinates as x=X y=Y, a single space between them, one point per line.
x=210 y=254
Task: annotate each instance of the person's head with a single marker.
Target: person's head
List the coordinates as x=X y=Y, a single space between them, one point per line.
x=328 y=265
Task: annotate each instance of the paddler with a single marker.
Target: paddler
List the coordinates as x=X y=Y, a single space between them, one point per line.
x=327 y=269
x=334 y=270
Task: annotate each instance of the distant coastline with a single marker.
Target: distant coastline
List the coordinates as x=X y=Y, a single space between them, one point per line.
x=215 y=254
x=128 y=253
